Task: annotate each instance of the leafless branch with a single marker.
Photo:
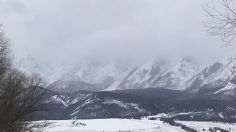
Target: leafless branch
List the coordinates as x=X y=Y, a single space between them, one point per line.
x=221 y=19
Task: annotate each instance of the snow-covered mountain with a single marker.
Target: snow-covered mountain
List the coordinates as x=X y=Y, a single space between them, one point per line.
x=115 y=75
x=216 y=78
x=84 y=90
x=203 y=77
x=87 y=75
x=103 y=75
x=95 y=76
x=161 y=74
x=48 y=72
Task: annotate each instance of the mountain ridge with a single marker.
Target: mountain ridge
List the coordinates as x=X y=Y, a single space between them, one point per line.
x=179 y=75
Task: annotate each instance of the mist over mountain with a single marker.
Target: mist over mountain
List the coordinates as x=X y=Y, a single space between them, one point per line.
x=181 y=74
x=110 y=45
x=65 y=32
x=69 y=65
x=115 y=90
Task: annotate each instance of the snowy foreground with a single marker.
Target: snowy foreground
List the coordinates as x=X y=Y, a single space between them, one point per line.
x=200 y=126
x=127 y=125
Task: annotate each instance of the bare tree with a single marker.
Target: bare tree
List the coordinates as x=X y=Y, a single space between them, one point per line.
x=20 y=95
x=221 y=18
x=5 y=60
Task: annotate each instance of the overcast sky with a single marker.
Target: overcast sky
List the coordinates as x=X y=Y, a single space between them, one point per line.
x=71 y=30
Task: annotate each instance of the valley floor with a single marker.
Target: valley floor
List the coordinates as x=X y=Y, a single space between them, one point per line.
x=127 y=125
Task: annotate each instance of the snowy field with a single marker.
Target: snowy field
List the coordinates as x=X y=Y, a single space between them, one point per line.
x=127 y=125
x=201 y=126
x=109 y=125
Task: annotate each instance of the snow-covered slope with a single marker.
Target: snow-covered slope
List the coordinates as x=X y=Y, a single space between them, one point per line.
x=161 y=74
x=178 y=74
x=144 y=75
x=105 y=76
x=217 y=78
x=48 y=72
x=203 y=76
x=93 y=76
x=89 y=75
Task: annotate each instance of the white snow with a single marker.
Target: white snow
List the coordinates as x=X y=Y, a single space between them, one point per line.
x=124 y=105
x=110 y=125
x=89 y=100
x=111 y=75
x=129 y=125
x=163 y=74
x=199 y=126
x=98 y=73
x=229 y=86
x=225 y=73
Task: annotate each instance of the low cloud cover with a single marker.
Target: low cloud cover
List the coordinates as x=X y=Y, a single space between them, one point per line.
x=62 y=31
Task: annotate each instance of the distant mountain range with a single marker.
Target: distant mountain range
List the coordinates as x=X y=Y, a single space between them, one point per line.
x=113 y=76
x=179 y=75
x=117 y=90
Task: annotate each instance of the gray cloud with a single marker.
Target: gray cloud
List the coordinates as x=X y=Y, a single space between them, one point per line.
x=11 y=6
x=71 y=30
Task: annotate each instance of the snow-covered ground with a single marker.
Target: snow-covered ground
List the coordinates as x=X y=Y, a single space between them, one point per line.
x=128 y=125
x=201 y=126
x=109 y=125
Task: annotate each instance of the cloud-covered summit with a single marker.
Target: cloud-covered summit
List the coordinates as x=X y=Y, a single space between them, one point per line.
x=62 y=31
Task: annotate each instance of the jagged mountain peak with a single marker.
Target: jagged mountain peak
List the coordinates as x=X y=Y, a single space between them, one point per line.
x=186 y=67
x=200 y=79
x=217 y=78
x=118 y=75
x=161 y=74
